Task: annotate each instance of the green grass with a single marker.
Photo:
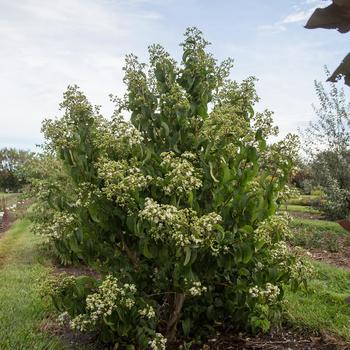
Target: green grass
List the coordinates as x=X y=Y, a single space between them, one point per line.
x=305 y=200
x=10 y=198
x=319 y=234
x=300 y=208
x=320 y=225
x=8 y=195
x=323 y=306
x=21 y=308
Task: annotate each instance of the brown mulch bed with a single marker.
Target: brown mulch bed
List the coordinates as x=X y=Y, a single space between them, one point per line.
x=340 y=258
x=76 y=271
x=12 y=217
x=4 y=228
x=277 y=341
x=72 y=339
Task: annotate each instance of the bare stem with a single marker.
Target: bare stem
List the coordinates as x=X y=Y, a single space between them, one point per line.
x=175 y=317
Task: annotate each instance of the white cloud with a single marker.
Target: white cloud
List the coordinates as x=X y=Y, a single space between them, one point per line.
x=301 y=13
x=300 y=16
x=273 y=28
x=46 y=45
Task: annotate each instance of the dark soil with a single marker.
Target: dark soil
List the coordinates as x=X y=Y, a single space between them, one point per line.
x=340 y=258
x=73 y=270
x=278 y=340
x=73 y=340
x=6 y=224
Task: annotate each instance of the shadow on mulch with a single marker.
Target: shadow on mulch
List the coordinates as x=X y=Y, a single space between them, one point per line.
x=73 y=340
x=276 y=340
x=76 y=271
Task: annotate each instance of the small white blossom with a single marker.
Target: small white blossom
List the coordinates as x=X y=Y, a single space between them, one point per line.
x=268 y=294
x=158 y=343
x=147 y=312
x=197 y=289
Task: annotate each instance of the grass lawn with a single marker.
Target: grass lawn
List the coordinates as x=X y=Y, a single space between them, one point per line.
x=319 y=234
x=10 y=198
x=323 y=306
x=304 y=200
x=8 y=195
x=299 y=208
x=320 y=225
x=22 y=309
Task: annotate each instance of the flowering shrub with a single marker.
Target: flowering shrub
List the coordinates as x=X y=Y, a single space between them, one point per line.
x=175 y=209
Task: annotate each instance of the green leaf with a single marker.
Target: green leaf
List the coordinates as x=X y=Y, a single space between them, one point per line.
x=166 y=128
x=190 y=198
x=188 y=255
x=211 y=312
x=186 y=326
x=94 y=213
x=226 y=174
x=146 y=251
x=211 y=172
x=247 y=253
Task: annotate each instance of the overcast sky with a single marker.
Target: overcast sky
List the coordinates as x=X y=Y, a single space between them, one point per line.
x=47 y=44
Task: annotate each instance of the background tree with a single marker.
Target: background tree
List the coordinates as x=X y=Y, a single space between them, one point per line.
x=11 y=162
x=327 y=144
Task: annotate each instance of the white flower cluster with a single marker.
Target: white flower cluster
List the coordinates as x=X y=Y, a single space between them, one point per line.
x=254 y=186
x=205 y=223
x=301 y=269
x=258 y=267
x=182 y=226
x=60 y=133
x=85 y=192
x=268 y=294
x=63 y=318
x=288 y=192
x=158 y=343
x=181 y=176
x=147 y=312
x=110 y=296
x=62 y=225
x=81 y=323
x=177 y=99
x=121 y=180
x=197 y=289
x=269 y=229
x=127 y=132
x=279 y=251
x=117 y=135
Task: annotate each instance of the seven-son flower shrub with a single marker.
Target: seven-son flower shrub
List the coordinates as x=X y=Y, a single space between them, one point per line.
x=175 y=209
